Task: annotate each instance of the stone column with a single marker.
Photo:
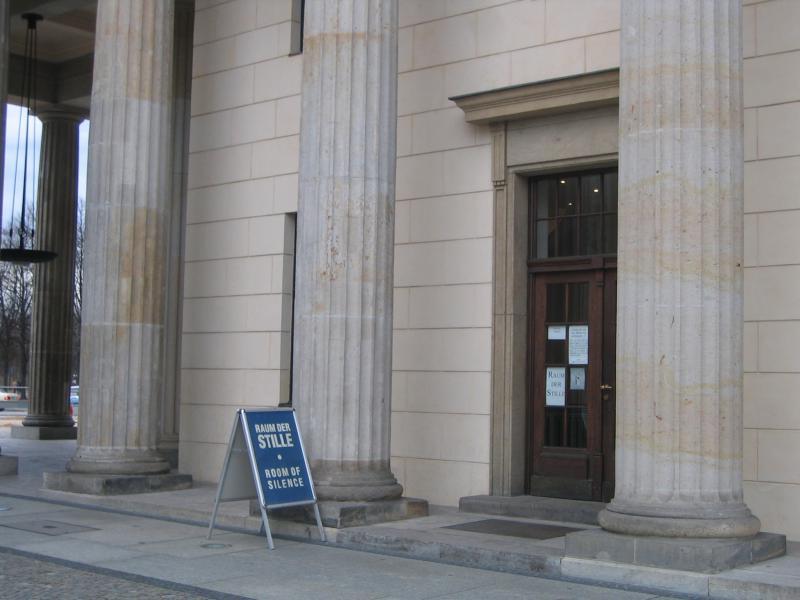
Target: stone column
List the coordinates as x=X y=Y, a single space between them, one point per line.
x=127 y=220
x=345 y=246
x=54 y=282
x=181 y=116
x=679 y=349
x=678 y=498
x=8 y=464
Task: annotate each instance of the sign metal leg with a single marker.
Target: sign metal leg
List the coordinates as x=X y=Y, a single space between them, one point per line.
x=265 y=521
x=319 y=523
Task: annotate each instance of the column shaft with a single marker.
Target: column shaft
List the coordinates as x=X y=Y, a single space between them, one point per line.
x=345 y=246
x=129 y=198
x=679 y=348
x=54 y=282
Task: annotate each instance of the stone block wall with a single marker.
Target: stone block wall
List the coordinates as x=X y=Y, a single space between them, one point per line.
x=443 y=256
x=243 y=193
x=772 y=263
x=240 y=222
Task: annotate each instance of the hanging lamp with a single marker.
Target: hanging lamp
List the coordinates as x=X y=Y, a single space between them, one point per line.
x=21 y=253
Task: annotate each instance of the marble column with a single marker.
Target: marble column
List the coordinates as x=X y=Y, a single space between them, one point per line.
x=345 y=246
x=679 y=339
x=54 y=282
x=181 y=116
x=129 y=198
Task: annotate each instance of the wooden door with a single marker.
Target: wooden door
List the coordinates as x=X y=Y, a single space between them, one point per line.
x=572 y=335
x=572 y=387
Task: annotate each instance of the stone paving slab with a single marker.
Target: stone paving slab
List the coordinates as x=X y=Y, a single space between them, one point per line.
x=24 y=577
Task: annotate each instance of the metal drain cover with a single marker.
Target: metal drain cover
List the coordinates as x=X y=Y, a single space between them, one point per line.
x=535 y=531
x=48 y=527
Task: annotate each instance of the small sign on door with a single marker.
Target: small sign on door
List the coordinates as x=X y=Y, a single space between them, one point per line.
x=554 y=386
x=579 y=345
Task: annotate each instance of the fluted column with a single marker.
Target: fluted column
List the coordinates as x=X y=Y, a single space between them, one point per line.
x=679 y=344
x=54 y=282
x=8 y=464
x=128 y=204
x=345 y=246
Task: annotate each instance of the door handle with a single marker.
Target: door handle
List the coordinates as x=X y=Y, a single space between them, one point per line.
x=606 y=388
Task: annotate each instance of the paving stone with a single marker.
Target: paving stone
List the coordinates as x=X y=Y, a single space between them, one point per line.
x=26 y=578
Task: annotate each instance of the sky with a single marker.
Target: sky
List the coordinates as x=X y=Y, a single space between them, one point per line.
x=15 y=121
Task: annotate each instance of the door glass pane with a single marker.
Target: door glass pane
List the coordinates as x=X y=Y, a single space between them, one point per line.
x=610 y=191
x=545 y=199
x=578 y=302
x=568 y=195
x=591 y=235
x=591 y=194
x=545 y=239
x=554 y=426
x=610 y=234
x=556 y=302
x=567 y=236
x=576 y=426
x=555 y=351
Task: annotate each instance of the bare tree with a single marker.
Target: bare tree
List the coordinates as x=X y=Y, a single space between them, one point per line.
x=16 y=298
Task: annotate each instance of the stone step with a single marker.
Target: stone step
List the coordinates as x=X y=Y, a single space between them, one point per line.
x=510 y=555
x=534 y=507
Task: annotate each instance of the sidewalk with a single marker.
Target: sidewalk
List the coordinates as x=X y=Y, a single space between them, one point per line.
x=160 y=554
x=180 y=538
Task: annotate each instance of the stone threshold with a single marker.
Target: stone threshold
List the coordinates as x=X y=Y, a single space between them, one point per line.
x=426 y=538
x=534 y=507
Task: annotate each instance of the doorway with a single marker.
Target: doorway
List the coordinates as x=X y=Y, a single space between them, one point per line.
x=572 y=334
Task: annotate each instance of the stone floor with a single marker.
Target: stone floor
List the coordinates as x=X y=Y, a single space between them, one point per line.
x=431 y=539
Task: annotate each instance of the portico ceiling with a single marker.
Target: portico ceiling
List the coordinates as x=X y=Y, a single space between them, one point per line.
x=65 y=48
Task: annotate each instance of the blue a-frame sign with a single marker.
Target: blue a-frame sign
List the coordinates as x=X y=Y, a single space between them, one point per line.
x=266 y=460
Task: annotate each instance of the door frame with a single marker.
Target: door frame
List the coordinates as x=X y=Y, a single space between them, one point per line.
x=509 y=451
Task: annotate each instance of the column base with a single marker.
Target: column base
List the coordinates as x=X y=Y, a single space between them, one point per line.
x=354 y=482
x=100 y=484
x=735 y=521
x=698 y=555
x=25 y=432
x=113 y=461
x=9 y=465
x=48 y=421
x=339 y=515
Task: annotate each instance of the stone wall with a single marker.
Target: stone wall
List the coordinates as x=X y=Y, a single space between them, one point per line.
x=772 y=263
x=243 y=191
x=240 y=222
x=443 y=261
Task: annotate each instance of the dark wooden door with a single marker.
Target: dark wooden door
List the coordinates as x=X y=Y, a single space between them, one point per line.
x=572 y=387
x=572 y=335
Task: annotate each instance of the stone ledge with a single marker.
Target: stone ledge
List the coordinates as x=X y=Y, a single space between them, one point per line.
x=23 y=432
x=683 y=554
x=533 y=507
x=338 y=515
x=112 y=485
x=9 y=465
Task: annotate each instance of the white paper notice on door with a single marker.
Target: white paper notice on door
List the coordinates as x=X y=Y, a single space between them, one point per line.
x=557 y=332
x=579 y=345
x=554 y=386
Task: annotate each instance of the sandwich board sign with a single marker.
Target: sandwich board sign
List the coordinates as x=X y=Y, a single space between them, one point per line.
x=266 y=460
